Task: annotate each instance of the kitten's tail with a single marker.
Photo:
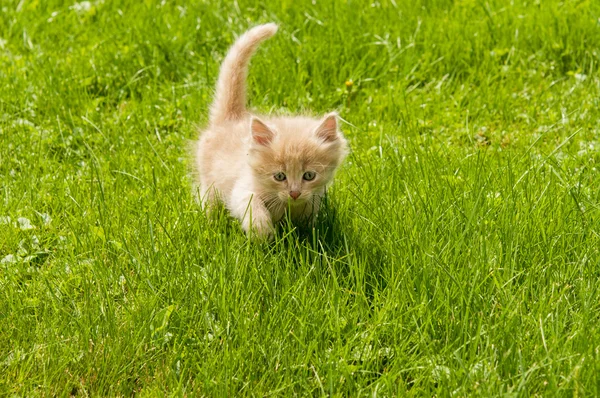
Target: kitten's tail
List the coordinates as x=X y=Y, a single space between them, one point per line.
x=230 y=96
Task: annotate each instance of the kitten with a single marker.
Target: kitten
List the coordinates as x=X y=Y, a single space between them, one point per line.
x=262 y=167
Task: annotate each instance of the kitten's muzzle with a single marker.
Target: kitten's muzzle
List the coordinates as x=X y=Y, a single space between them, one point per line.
x=294 y=194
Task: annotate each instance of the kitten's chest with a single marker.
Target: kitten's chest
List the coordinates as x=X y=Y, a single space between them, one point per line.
x=277 y=214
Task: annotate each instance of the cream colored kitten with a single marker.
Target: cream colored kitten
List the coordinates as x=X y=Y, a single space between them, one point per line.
x=262 y=167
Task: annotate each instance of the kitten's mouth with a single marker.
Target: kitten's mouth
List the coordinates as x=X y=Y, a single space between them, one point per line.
x=300 y=201
x=296 y=202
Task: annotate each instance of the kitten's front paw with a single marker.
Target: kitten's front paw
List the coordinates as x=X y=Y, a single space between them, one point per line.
x=261 y=228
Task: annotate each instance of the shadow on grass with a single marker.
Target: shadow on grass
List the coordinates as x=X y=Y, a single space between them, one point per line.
x=334 y=242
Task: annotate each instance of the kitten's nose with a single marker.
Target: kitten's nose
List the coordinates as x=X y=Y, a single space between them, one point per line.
x=295 y=194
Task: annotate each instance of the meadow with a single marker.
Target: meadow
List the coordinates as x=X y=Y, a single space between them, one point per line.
x=458 y=252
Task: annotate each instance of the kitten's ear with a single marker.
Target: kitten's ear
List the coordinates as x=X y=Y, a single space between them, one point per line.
x=328 y=130
x=261 y=134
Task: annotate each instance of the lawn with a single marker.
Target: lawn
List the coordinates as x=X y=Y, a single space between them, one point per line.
x=458 y=252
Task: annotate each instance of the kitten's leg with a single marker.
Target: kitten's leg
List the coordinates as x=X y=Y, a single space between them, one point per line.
x=249 y=209
x=208 y=198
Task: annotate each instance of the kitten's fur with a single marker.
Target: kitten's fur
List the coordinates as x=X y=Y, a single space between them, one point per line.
x=240 y=155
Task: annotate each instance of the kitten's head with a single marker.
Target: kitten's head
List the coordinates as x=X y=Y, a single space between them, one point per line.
x=294 y=159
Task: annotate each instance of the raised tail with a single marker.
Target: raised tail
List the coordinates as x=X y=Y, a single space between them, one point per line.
x=230 y=96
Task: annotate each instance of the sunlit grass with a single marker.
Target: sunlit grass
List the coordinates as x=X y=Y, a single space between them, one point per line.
x=458 y=253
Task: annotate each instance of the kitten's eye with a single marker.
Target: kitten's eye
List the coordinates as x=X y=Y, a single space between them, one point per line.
x=279 y=176
x=309 y=175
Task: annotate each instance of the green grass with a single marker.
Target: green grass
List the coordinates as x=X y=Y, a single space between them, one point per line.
x=458 y=254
